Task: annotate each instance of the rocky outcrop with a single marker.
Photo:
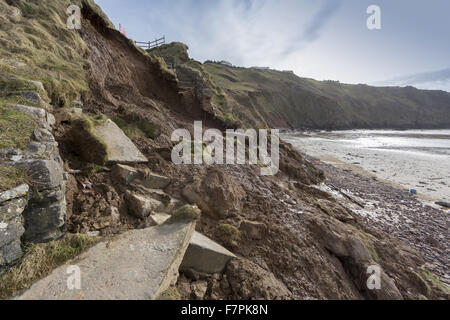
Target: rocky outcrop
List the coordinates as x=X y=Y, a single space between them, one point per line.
x=138 y=265
x=46 y=209
x=12 y=204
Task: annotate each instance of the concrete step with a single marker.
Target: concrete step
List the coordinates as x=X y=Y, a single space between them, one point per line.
x=138 y=265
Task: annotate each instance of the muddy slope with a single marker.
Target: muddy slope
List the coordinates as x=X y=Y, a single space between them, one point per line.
x=310 y=246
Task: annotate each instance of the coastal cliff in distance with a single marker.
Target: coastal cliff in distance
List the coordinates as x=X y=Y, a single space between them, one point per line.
x=253 y=97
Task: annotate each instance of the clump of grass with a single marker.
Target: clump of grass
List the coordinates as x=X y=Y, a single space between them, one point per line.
x=185 y=213
x=135 y=126
x=39 y=260
x=170 y=294
x=435 y=280
x=325 y=208
x=228 y=234
x=11 y=177
x=16 y=128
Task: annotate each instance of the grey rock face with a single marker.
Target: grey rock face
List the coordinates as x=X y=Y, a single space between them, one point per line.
x=45 y=212
x=11 y=229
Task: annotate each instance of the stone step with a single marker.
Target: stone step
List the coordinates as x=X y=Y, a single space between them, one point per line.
x=138 y=265
x=203 y=254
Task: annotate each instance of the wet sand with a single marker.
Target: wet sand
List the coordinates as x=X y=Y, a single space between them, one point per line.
x=387 y=204
x=416 y=168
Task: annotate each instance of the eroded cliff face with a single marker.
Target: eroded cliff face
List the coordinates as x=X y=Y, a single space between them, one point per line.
x=292 y=241
x=258 y=98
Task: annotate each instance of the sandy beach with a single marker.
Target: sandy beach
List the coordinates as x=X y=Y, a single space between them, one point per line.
x=418 y=160
x=376 y=183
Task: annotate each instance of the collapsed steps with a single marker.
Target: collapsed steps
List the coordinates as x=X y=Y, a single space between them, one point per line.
x=138 y=265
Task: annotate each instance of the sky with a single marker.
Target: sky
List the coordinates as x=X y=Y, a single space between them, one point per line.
x=320 y=39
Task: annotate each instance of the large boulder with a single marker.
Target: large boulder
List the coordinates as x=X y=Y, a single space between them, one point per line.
x=205 y=256
x=217 y=193
x=138 y=265
x=101 y=141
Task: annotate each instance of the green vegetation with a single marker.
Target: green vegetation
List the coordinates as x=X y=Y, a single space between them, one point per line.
x=434 y=280
x=11 y=177
x=39 y=260
x=228 y=234
x=324 y=208
x=137 y=129
x=185 y=213
x=248 y=97
x=16 y=128
x=35 y=43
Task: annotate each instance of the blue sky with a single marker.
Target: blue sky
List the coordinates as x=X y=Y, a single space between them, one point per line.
x=321 y=39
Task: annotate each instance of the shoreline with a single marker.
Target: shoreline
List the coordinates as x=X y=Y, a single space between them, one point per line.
x=392 y=209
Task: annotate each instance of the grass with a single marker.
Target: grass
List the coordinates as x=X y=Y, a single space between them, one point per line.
x=16 y=128
x=185 y=213
x=434 y=280
x=39 y=260
x=40 y=47
x=11 y=177
x=228 y=234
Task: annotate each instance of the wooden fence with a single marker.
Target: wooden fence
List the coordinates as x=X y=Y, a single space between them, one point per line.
x=151 y=44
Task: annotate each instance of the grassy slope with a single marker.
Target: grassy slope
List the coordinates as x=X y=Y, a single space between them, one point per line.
x=258 y=98
x=284 y=99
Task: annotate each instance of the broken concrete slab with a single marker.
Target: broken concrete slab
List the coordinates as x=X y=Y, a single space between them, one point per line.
x=142 y=206
x=205 y=255
x=152 y=180
x=99 y=140
x=159 y=218
x=125 y=174
x=120 y=149
x=138 y=265
x=140 y=178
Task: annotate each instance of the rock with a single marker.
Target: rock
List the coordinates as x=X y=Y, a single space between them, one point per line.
x=254 y=230
x=141 y=206
x=17 y=192
x=199 y=289
x=46 y=119
x=11 y=230
x=33 y=96
x=159 y=218
x=217 y=193
x=206 y=256
x=46 y=209
x=125 y=174
x=249 y=281
x=139 y=178
x=152 y=180
x=101 y=141
x=137 y=265
x=443 y=204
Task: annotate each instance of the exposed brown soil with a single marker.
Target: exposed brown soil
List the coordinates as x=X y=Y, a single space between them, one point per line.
x=308 y=251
